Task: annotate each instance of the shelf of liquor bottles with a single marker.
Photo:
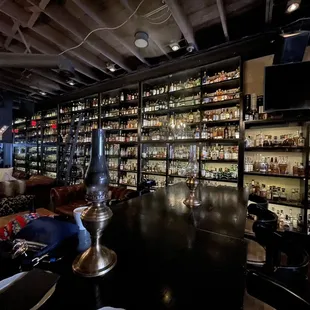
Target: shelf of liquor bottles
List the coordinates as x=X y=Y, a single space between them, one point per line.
x=119 y=116
x=276 y=161
x=199 y=107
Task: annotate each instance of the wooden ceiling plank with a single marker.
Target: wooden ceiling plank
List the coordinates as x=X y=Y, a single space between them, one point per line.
x=53 y=36
x=35 y=15
x=46 y=49
x=90 y=10
x=18 y=78
x=221 y=9
x=268 y=11
x=69 y=22
x=10 y=38
x=63 y=42
x=182 y=21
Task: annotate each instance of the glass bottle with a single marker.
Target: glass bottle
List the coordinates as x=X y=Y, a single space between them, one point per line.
x=301 y=141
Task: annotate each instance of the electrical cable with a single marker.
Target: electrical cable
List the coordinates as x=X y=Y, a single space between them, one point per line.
x=159 y=23
x=103 y=28
x=158 y=17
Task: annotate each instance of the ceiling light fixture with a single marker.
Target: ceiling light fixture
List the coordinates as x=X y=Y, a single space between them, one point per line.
x=111 y=67
x=71 y=82
x=292 y=5
x=43 y=93
x=141 y=39
x=174 y=46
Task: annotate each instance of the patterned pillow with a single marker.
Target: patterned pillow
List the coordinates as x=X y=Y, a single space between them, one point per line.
x=16 y=204
x=14 y=226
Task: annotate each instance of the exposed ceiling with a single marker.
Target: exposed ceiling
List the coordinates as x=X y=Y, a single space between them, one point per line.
x=52 y=27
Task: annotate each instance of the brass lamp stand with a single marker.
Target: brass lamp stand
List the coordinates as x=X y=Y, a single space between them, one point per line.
x=192 y=182
x=97 y=260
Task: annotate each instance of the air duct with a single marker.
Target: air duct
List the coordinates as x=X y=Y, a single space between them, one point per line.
x=12 y=60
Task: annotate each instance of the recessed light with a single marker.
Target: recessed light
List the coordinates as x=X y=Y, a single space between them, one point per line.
x=111 y=67
x=175 y=46
x=141 y=39
x=43 y=93
x=71 y=82
x=292 y=6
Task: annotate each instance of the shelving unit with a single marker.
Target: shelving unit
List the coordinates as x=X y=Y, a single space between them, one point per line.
x=137 y=147
x=293 y=186
x=169 y=107
x=88 y=108
x=119 y=111
x=20 y=143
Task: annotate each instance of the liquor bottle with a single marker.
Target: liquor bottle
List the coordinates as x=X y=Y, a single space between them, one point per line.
x=247 y=100
x=221 y=153
x=122 y=98
x=197 y=133
x=301 y=140
x=226 y=136
x=237 y=135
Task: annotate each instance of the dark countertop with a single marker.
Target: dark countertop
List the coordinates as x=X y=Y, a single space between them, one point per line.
x=169 y=256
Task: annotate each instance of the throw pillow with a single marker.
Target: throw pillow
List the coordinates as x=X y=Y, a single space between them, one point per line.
x=5 y=170
x=15 y=225
x=16 y=204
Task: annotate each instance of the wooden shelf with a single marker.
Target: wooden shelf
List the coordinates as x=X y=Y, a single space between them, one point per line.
x=274 y=149
x=220 y=160
x=220 y=180
x=274 y=175
x=220 y=122
x=219 y=104
x=287 y=204
x=154 y=173
x=232 y=83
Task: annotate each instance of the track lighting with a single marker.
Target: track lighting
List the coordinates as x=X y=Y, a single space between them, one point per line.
x=174 y=46
x=43 y=93
x=71 y=82
x=111 y=67
x=292 y=5
x=141 y=39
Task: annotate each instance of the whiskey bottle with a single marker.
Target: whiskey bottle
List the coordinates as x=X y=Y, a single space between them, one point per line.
x=301 y=140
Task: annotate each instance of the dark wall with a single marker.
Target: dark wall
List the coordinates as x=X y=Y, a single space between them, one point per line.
x=6 y=117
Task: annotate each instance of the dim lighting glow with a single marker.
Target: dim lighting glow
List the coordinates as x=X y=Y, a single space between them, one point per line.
x=175 y=46
x=292 y=6
x=43 y=93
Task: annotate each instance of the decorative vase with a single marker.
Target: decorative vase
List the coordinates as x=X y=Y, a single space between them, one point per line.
x=97 y=260
x=192 y=182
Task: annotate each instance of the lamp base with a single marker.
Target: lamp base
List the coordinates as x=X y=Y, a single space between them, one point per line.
x=192 y=202
x=94 y=262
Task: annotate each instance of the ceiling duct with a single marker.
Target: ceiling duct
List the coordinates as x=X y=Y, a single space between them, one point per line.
x=12 y=60
x=291 y=47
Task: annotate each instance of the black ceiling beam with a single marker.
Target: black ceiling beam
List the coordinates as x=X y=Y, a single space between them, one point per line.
x=247 y=48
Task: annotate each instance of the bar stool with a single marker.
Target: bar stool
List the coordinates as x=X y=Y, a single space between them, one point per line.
x=256 y=254
x=273 y=292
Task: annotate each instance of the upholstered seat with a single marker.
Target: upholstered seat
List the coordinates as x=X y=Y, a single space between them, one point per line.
x=66 y=198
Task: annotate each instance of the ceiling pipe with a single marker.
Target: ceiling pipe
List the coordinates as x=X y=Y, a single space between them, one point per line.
x=221 y=9
x=268 y=11
x=182 y=21
x=13 y=60
x=91 y=11
x=17 y=13
x=47 y=49
x=69 y=22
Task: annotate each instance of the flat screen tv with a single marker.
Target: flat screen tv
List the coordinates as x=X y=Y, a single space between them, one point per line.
x=287 y=87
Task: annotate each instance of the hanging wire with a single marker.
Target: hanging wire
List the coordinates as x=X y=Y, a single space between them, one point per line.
x=103 y=28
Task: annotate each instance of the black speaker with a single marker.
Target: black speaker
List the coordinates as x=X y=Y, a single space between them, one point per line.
x=291 y=48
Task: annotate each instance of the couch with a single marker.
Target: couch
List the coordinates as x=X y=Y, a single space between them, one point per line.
x=66 y=198
x=23 y=195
